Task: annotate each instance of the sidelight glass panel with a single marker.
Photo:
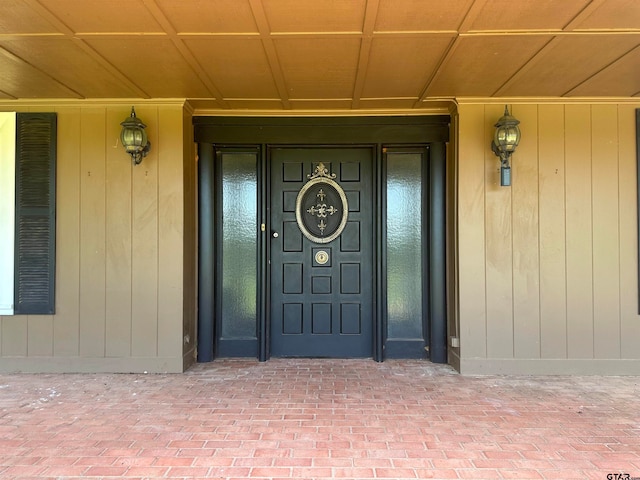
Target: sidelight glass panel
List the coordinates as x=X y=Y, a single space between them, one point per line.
x=404 y=245
x=239 y=245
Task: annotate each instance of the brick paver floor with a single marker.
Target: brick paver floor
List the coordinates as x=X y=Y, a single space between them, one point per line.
x=318 y=419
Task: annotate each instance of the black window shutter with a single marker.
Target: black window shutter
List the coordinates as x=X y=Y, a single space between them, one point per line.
x=36 y=135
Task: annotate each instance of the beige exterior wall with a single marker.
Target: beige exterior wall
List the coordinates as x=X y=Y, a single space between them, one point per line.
x=542 y=274
x=547 y=268
x=125 y=262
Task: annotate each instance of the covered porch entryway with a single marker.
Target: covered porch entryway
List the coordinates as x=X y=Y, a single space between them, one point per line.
x=322 y=237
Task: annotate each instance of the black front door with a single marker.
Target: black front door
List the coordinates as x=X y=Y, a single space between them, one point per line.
x=321 y=287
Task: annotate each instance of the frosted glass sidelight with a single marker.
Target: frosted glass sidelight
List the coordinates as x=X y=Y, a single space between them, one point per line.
x=404 y=245
x=239 y=245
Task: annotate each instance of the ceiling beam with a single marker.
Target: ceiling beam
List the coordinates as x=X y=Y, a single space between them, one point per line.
x=527 y=67
x=50 y=17
x=65 y=30
x=187 y=55
x=22 y=63
x=583 y=15
x=605 y=68
x=369 y=23
x=470 y=17
x=260 y=18
x=538 y=57
x=6 y=95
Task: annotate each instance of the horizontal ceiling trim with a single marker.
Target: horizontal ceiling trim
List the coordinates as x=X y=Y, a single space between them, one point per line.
x=545 y=100
x=19 y=104
x=337 y=35
x=81 y=102
x=558 y=33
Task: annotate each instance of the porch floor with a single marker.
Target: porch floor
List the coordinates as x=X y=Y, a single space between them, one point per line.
x=318 y=419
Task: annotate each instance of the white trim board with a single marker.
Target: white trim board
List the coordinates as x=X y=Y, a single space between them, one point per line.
x=7 y=209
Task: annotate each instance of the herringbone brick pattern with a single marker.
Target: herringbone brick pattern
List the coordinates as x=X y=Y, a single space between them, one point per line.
x=239 y=419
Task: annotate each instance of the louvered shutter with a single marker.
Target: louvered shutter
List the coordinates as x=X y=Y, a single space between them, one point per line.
x=35 y=213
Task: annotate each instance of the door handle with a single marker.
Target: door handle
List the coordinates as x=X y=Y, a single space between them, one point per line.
x=274 y=234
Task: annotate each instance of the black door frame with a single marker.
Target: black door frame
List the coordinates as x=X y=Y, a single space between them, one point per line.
x=379 y=131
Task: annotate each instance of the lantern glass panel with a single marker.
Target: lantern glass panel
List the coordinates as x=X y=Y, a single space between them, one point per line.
x=507 y=138
x=133 y=138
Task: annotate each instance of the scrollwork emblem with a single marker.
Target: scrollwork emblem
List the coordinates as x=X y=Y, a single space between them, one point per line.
x=321 y=207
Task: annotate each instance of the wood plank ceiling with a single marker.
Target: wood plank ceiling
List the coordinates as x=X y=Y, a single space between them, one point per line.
x=318 y=54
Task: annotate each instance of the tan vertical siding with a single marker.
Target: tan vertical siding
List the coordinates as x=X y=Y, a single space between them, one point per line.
x=525 y=218
x=92 y=232
x=606 y=243
x=14 y=336
x=471 y=230
x=39 y=335
x=171 y=237
x=553 y=318
x=498 y=250
x=144 y=324
x=118 y=240
x=579 y=240
x=66 y=327
x=567 y=299
x=121 y=299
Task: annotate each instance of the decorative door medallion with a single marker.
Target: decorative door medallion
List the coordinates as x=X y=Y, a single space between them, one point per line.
x=321 y=207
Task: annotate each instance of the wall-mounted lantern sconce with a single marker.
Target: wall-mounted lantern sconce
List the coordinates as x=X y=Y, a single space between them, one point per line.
x=134 y=138
x=504 y=143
